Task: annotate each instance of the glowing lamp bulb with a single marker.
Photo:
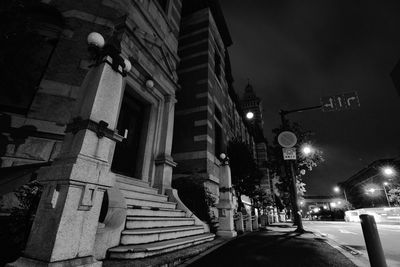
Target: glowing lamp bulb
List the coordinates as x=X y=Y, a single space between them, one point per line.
x=307 y=150
x=336 y=189
x=249 y=115
x=388 y=171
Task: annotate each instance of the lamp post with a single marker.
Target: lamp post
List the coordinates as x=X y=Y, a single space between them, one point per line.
x=290 y=168
x=337 y=190
x=372 y=191
x=384 y=190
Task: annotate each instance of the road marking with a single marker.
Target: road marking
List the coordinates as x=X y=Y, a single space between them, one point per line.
x=347 y=232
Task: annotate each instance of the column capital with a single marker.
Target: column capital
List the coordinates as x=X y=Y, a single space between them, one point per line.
x=170 y=99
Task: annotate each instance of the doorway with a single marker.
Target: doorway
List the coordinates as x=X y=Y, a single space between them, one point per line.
x=127 y=155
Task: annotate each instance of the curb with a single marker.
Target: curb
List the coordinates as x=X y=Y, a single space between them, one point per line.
x=355 y=256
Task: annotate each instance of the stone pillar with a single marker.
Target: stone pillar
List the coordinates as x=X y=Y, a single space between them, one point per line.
x=248 y=223
x=255 y=223
x=164 y=162
x=225 y=205
x=66 y=221
x=239 y=223
x=264 y=220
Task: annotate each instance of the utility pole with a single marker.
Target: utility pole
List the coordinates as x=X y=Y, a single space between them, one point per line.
x=290 y=170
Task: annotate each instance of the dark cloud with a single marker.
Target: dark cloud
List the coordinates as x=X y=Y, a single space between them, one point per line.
x=294 y=52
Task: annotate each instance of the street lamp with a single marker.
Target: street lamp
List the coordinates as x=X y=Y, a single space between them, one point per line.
x=388 y=171
x=249 y=115
x=372 y=190
x=336 y=189
x=384 y=190
x=307 y=150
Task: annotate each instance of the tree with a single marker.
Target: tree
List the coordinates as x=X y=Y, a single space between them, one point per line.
x=304 y=163
x=394 y=194
x=245 y=174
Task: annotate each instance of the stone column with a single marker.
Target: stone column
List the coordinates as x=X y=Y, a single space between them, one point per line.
x=239 y=223
x=164 y=162
x=255 y=223
x=66 y=221
x=225 y=205
x=248 y=223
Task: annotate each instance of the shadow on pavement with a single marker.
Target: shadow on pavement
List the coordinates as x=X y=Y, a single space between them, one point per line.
x=274 y=247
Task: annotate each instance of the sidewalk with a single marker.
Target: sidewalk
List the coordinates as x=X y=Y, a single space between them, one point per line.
x=277 y=245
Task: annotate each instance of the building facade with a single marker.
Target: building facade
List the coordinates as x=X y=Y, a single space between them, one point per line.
x=357 y=188
x=94 y=127
x=251 y=103
x=208 y=112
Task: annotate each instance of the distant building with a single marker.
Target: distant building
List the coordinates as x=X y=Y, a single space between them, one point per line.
x=358 y=187
x=251 y=103
x=322 y=207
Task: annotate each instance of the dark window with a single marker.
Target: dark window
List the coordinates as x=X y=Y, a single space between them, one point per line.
x=218 y=138
x=28 y=36
x=164 y=5
x=130 y=122
x=217 y=63
x=218 y=114
x=218 y=142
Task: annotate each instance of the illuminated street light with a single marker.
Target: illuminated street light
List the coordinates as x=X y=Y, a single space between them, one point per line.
x=307 y=150
x=371 y=190
x=336 y=189
x=388 y=171
x=249 y=115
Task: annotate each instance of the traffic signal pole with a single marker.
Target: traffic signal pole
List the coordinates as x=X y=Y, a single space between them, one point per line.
x=290 y=170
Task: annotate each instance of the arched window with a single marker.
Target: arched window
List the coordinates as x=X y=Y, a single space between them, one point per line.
x=28 y=36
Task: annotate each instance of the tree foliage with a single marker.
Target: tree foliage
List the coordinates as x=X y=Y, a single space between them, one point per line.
x=244 y=171
x=303 y=164
x=394 y=194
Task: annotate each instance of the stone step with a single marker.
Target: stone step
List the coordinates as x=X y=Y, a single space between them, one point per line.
x=133 y=222
x=144 y=195
x=135 y=202
x=147 y=235
x=156 y=248
x=131 y=184
x=141 y=212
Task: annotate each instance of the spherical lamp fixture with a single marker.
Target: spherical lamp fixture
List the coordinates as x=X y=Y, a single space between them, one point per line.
x=149 y=84
x=249 y=115
x=96 y=39
x=128 y=65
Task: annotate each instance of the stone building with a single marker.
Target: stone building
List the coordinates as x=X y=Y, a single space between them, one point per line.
x=208 y=112
x=94 y=127
x=251 y=103
x=357 y=188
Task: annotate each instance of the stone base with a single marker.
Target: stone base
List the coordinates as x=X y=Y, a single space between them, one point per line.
x=85 y=261
x=223 y=233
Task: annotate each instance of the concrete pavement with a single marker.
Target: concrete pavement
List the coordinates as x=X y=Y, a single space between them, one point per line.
x=277 y=245
x=349 y=235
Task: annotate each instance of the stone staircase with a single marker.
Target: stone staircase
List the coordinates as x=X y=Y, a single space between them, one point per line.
x=153 y=224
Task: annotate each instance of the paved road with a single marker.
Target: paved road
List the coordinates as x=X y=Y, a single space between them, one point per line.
x=350 y=234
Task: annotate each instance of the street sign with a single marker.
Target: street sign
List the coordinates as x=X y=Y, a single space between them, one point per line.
x=287 y=139
x=340 y=102
x=289 y=153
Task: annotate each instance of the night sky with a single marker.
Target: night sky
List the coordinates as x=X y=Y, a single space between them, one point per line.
x=295 y=52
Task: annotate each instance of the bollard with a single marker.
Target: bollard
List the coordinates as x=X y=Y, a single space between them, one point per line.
x=372 y=240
